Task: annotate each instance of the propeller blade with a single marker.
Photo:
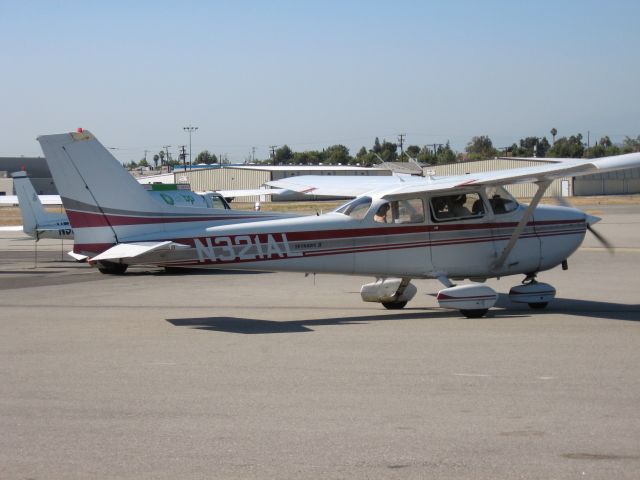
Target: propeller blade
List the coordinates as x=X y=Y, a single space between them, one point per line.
x=605 y=243
x=591 y=220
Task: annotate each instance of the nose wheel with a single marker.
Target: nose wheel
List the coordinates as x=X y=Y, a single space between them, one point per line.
x=535 y=294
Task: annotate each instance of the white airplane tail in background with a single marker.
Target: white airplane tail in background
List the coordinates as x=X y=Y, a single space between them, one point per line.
x=36 y=221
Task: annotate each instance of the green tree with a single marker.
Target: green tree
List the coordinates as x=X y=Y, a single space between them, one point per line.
x=156 y=157
x=604 y=148
x=284 y=155
x=480 y=148
x=630 y=145
x=413 y=151
x=530 y=146
x=445 y=155
x=143 y=163
x=553 y=133
x=377 y=148
x=161 y=156
x=389 y=151
x=337 y=154
x=571 y=147
x=426 y=155
x=364 y=158
x=311 y=157
x=206 y=157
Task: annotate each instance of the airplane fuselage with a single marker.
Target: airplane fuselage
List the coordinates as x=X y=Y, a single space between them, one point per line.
x=339 y=243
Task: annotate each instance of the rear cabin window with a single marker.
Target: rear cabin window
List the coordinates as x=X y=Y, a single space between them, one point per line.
x=457 y=207
x=409 y=210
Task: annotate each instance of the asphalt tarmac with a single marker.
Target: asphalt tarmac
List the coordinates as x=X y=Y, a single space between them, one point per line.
x=274 y=375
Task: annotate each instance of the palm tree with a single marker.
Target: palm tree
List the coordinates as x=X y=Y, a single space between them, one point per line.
x=156 y=157
x=554 y=132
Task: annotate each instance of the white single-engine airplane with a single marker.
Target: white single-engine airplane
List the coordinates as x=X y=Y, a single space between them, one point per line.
x=449 y=228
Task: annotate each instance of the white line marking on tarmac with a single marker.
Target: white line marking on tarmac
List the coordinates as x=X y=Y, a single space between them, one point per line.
x=472 y=375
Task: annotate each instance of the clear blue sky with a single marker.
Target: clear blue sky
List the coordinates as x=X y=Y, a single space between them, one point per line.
x=313 y=74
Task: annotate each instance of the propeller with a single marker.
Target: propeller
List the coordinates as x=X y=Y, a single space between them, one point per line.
x=591 y=220
x=601 y=238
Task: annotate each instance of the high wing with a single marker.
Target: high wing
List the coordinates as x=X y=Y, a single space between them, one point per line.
x=537 y=174
x=353 y=186
x=343 y=185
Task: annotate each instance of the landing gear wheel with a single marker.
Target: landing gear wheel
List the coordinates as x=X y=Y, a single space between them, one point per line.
x=476 y=313
x=173 y=270
x=394 y=305
x=112 y=268
x=538 y=305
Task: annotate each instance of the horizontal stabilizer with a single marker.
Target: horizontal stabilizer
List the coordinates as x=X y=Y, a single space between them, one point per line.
x=131 y=250
x=77 y=257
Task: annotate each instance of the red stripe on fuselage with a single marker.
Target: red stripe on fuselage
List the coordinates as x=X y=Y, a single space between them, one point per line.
x=80 y=219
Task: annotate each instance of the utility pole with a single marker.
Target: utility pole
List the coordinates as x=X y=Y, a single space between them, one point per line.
x=166 y=149
x=401 y=142
x=273 y=153
x=253 y=154
x=145 y=156
x=183 y=156
x=190 y=129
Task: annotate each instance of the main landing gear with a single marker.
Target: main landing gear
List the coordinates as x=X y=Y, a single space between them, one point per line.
x=112 y=268
x=392 y=293
x=473 y=300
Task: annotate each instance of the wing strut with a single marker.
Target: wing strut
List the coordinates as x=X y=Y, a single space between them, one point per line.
x=542 y=187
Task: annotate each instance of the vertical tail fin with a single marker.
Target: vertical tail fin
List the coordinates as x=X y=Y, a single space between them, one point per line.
x=31 y=209
x=35 y=218
x=106 y=205
x=98 y=194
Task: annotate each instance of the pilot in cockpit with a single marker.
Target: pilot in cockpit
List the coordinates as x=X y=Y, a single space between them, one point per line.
x=381 y=214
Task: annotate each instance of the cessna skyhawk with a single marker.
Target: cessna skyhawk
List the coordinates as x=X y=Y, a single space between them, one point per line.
x=450 y=229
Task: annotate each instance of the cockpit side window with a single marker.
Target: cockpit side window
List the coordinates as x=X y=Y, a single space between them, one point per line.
x=457 y=207
x=501 y=200
x=410 y=210
x=357 y=208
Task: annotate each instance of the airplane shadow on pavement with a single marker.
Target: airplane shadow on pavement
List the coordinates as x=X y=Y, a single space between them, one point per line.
x=571 y=306
x=505 y=310
x=257 y=326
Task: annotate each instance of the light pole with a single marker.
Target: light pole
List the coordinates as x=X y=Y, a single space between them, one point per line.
x=190 y=129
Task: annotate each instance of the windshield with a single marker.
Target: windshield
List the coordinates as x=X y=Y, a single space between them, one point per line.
x=357 y=208
x=501 y=200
